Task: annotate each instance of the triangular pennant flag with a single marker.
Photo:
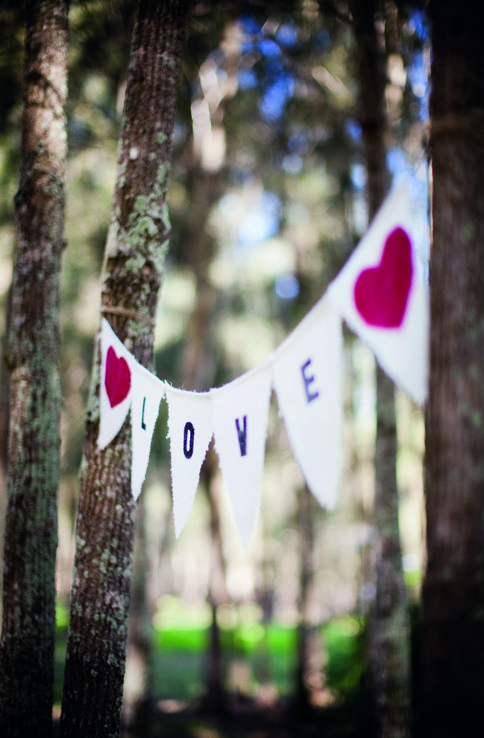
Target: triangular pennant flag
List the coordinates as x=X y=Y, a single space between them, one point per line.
x=190 y=431
x=116 y=380
x=308 y=374
x=240 y=416
x=147 y=393
x=382 y=296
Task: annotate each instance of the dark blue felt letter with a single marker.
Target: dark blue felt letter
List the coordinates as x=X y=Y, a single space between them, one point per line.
x=242 y=435
x=308 y=379
x=188 y=440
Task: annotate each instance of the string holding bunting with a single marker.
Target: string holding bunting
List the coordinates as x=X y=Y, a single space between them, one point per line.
x=381 y=295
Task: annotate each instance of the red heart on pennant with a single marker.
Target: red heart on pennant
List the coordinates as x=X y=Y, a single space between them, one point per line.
x=118 y=377
x=381 y=292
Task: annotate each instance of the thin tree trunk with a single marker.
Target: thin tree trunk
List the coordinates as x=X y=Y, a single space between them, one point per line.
x=391 y=635
x=214 y=701
x=28 y=629
x=138 y=683
x=453 y=592
x=306 y=514
x=133 y=270
x=391 y=628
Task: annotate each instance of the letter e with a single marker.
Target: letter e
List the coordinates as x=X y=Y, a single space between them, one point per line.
x=308 y=379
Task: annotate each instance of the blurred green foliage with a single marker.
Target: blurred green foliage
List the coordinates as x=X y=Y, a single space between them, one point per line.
x=180 y=654
x=345 y=644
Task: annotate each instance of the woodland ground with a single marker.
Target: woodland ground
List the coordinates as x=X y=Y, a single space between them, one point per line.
x=263 y=711
x=247 y=719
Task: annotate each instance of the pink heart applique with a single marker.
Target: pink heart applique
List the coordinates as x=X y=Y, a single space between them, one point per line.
x=381 y=292
x=118 y=377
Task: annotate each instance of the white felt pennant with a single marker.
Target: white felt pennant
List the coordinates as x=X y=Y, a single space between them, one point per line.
x=381 y=295
x=147 y=393
x=116 y=384
x=308 y=374
x=190 y=431
x=240 y=416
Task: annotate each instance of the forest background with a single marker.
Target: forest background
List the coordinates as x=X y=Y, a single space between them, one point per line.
x=267 y=200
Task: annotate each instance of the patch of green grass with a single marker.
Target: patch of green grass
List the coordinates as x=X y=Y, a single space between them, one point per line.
x=269 y=653
x=192 y=640
x=61 y=617
x=59 y=660
x=345 y=651
x=180 y=662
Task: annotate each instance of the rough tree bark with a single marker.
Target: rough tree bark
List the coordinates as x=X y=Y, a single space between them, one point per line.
x=453 y=593
x=391 y=627
x=28 y=628
x=133 y=271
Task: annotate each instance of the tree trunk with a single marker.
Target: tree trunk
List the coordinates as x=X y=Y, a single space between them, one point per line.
x=307 y=515
x=453 y=593
x=214 y=701
x=138 y=682
x=391 y=627
x=28 y=629
x=133 y=269
x=391 y=636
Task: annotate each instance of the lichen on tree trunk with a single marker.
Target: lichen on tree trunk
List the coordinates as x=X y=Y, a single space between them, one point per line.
x=28 y=628
x=132 y=275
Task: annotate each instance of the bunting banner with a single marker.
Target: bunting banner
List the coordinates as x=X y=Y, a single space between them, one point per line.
x=116 y=385
x=147 y=393
x=380 y=293
x=190 y=430
x=308 y=373
x=240 y=416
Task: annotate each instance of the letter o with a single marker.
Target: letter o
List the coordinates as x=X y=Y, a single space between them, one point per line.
x=188 y=440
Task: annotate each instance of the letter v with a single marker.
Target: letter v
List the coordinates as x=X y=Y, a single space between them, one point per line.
x=242 y=434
